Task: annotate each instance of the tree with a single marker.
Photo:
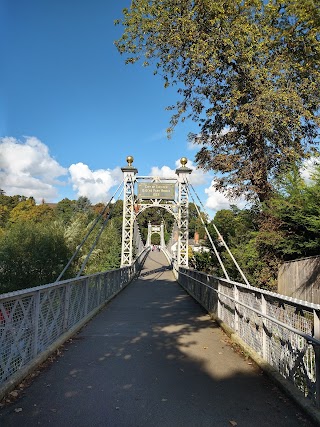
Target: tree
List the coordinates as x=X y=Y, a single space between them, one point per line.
x=286 y=227
x=246 y=71
x=31 y=254
x=294 y=218
x=65 y=209
x=239 y=229
x=195 y=223
x=155 y=215
x=202 y=261
x=11 y=201
x=116 y=212
x=4 y=215
x=83 y=204
x=28 y=211
x=107 y=253
x=225 y=221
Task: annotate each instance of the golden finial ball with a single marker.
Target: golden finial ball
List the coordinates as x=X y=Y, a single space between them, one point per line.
x=183 y=161
x=130 y=160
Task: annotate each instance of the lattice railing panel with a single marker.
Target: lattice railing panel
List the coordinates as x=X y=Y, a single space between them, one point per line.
x=227 y=305
x=32 y=319
x=282 y=343
x=51 y=317
x=278 y=328
x=16 y=343
x=77 y=302
x=94 y=292
x=250 y=325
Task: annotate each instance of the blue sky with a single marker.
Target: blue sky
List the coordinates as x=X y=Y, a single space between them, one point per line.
x=72 y=110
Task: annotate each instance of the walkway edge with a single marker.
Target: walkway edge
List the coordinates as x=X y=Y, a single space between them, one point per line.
x=303 y=402
x=42 y=357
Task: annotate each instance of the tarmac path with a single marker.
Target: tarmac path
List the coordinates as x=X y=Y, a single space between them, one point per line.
x=152 y=357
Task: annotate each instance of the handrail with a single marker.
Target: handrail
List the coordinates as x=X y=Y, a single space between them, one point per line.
x=283 y=331
x=309 y=338
x=36 y=319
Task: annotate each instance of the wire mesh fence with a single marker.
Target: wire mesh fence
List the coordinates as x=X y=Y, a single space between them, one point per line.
x=282 y=330
x=33 y=319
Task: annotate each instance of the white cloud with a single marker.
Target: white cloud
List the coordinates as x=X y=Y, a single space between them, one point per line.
x=26 y=168
x=308 y=168
x=217 y=201
x=197 y=176
x=163 y=172
x=94 y=184
x=192 y=145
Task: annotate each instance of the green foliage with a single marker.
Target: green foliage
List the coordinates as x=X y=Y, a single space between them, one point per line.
x=83 y=204
x=246 y=71
x=4 y=215
x=65 y=209
x=195 y=224
x=155 y=239
x=34 y=246
x=28 y=211
x=239 y=229
x=11 y=201
x=107 y=254
x=7 y=204
x=116 y=215
x=31 y=254
x=225 y=221
x=296 y=213
x=286 y=227
x=202 y=261
x=155 y=216
x=76 y=230
x=36 y=241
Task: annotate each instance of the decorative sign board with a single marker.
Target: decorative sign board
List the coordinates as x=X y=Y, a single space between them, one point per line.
x=156 y=190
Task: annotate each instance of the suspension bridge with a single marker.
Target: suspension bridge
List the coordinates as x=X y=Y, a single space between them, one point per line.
x=142 y=346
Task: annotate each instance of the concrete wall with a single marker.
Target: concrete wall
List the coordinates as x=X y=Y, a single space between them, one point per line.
x=301 y=279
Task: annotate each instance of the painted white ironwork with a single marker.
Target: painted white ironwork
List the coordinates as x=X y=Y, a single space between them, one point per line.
x=172 y=245
x=133 y=206
x=141 y=206
x=137 y=240
x=162 y=241
x=282 y=330
x=183 y=217
x=33 y=319
x=156 y=229
x=129 y=173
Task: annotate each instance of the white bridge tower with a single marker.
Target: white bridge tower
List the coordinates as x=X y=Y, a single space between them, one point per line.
x=167 y=193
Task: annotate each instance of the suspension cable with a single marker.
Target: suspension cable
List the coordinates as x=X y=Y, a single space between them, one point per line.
x=211 y=241
x=220 y=237
x=87 y=235
x=96 y=239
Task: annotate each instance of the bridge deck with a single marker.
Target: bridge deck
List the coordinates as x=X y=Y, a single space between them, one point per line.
x=151 y=358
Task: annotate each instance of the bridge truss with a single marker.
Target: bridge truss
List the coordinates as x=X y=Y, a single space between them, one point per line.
x=134 y=204
x=178 y=206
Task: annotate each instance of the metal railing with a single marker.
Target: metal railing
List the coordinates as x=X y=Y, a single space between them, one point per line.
x=33 y=319
x=284 y=331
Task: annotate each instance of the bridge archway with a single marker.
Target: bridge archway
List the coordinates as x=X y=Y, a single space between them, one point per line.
x=156 y=229
x=142 y=192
